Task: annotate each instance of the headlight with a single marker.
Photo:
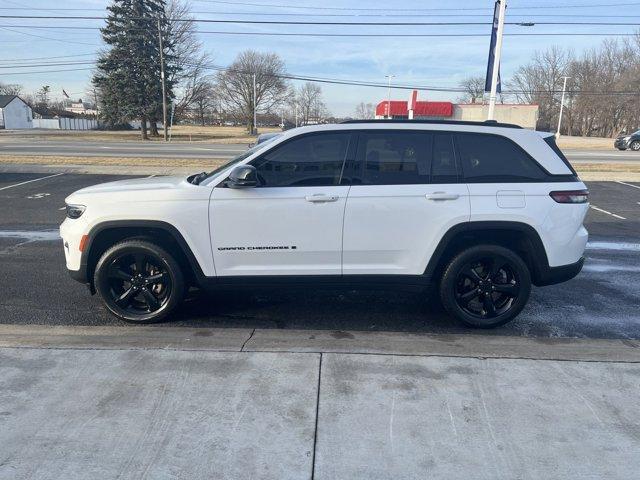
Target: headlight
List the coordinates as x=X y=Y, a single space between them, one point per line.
x=75 y=211
x=627 y=138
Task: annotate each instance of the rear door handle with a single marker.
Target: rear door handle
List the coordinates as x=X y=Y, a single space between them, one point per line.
x=321 y=198
x=442 y=196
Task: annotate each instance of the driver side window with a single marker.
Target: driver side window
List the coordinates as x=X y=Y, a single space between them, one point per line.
x=309 y=161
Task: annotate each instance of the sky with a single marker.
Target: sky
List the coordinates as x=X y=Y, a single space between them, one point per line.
x=423 y=61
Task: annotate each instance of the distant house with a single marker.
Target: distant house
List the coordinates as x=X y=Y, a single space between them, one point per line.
x=15 y=113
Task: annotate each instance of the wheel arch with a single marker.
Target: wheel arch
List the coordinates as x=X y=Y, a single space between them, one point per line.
x=517 y=236
x=105 y=234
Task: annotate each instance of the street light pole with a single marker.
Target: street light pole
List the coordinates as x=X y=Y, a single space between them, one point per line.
x=564 y=88
x=496 y=61
x=164 y=88
x=389 y=77
x=255 y=107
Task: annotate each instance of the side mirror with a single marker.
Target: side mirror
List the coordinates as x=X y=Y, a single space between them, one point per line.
x=244 y=176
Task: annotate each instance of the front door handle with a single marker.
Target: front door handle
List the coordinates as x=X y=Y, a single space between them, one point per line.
x=436 y=196
x=321 y=198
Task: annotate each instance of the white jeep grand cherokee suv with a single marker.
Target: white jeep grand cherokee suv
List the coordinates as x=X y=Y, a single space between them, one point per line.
x=479 y=210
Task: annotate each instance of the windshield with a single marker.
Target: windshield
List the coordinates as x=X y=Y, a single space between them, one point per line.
x=233 y=161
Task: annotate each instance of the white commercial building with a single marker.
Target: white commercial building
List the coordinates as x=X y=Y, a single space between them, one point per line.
x=15 y=113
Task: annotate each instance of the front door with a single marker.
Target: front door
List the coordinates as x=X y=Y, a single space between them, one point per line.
x=292 y=223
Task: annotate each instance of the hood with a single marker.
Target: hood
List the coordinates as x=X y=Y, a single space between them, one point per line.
x=136 y=185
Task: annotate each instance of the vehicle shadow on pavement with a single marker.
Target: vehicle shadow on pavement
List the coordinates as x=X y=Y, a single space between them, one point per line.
x=321 y=309
x=352 y=310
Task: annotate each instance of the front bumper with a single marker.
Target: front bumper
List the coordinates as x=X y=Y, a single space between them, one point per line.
x=621 y=144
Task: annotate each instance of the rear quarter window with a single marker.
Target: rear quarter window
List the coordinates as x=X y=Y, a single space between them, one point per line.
x=491 y=158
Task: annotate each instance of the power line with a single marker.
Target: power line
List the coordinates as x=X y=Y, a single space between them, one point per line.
x=361 y=83
x=45 y=58
x=47 y=38
x=296 y=22
x=369 y=9
x=345 y=35
x=37 y=65
x=48 y=71
x=396 y=15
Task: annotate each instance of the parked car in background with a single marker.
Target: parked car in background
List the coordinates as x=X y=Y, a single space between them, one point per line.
x=265 y=137
x=631 y=141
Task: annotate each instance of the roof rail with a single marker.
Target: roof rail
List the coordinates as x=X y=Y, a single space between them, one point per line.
x=486 y=123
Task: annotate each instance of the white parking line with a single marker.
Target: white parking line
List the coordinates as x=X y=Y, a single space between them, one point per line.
x=617 y=246
x=607 y=212
x=628 y=184
x=29 y=181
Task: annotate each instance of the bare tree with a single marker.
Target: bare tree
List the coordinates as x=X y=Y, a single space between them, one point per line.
x=600 y=98
x=235 y=84
x=194 y=84
x=539 y=81
x=310 y=104
x=10 y=89
x=203 y=100
x=365 y=111
x=473 y=89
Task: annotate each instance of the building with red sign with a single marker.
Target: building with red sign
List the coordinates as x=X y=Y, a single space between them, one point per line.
x=525 y=115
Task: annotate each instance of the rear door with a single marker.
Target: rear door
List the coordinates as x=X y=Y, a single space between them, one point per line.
x=292 y=223
x=405 y=195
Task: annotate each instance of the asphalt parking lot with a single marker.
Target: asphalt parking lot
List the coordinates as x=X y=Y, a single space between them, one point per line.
x=314 y=384
x=600 y=303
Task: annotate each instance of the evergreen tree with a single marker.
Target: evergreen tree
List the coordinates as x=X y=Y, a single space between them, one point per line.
x=128 y=73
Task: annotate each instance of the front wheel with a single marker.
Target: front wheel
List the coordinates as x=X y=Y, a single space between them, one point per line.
x=138 y=281
x=485 y=286
x=635 y=145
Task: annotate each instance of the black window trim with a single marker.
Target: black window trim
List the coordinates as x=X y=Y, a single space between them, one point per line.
x=456 y=158
x=556 y=149
x=310 y=134
x=354 y=141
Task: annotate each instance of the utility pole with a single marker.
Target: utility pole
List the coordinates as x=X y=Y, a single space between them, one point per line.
x=389 y=77
x=164 y=88
x=564 y=88
x=496 y=61
x=255 y=107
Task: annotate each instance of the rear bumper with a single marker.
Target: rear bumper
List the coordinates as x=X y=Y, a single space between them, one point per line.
x=553 y=275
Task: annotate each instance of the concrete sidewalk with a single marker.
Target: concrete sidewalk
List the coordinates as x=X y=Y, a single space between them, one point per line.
x=272 y=404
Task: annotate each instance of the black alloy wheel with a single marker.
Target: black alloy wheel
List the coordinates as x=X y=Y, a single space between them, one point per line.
x=485 y=286
x=138 y=281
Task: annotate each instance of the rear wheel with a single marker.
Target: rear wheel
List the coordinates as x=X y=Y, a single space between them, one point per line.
x=485 y=286
x=138 y=281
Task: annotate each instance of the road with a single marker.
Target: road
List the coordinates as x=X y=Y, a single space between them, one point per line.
x=26 y=146
x=23 y=145
x=601 y=303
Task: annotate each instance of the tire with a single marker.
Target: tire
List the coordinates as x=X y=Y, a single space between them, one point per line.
x=635 y=145
x=139 y=282
x=485 y=286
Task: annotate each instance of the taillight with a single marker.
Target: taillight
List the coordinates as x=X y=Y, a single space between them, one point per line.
x=570 y=196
